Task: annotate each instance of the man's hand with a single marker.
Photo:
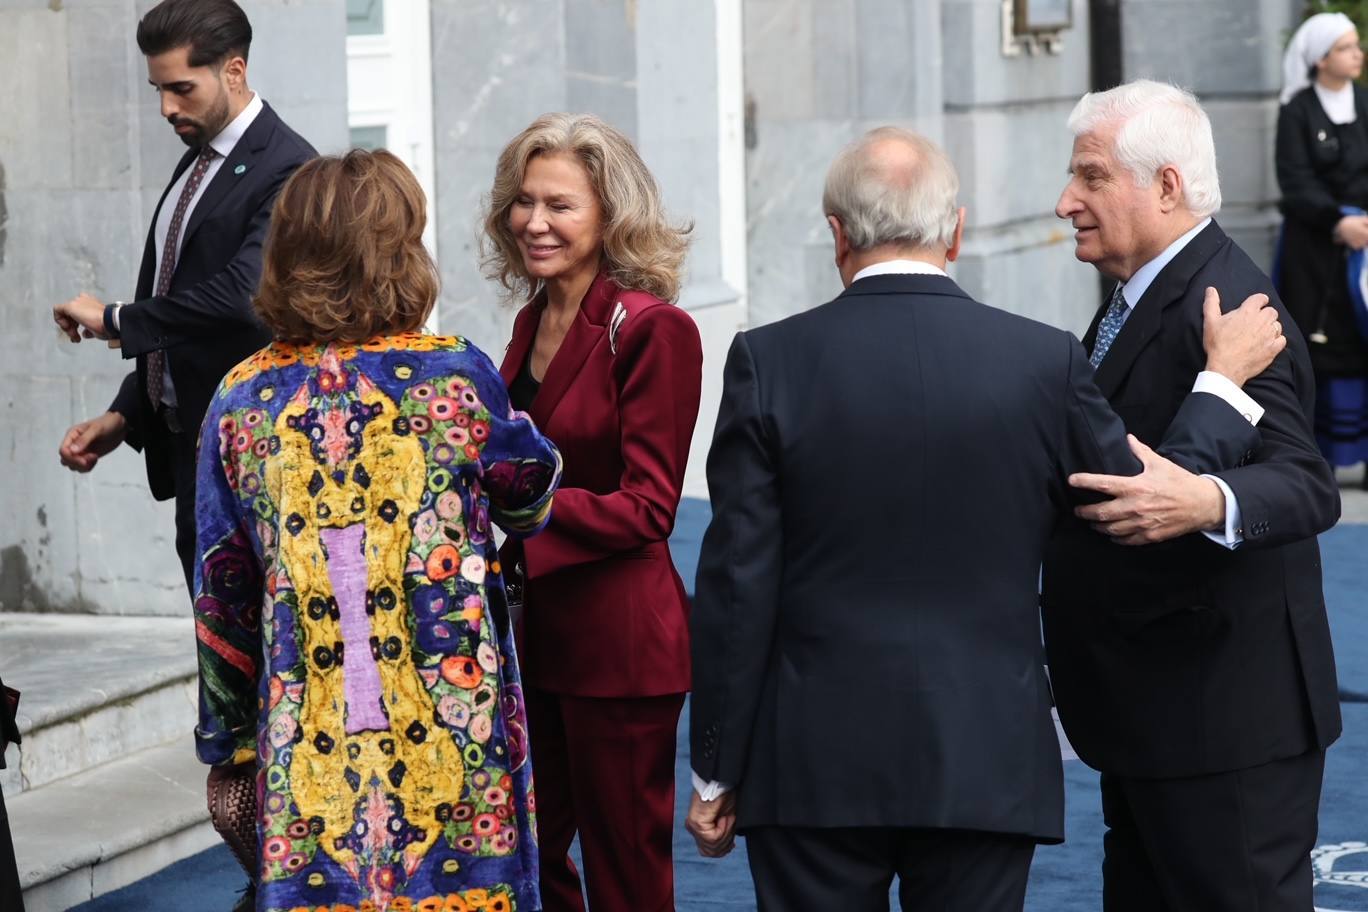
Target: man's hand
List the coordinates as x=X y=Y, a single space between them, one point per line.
x=1241 y=344
x=83 y=315
x=713 y=824
x=86 y=442
x=1352 y=232
x=1164 y=501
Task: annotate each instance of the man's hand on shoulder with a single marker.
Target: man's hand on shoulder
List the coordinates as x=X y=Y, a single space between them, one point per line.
x=1241 y=344
x=1164 y=501
x=713 y=823
x=85 y=443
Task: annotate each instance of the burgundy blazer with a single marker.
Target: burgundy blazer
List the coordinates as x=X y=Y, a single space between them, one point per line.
x=605 y=613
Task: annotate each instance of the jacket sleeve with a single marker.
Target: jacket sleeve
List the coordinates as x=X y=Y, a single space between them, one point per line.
x=658 y=370
x=1092 y=438
x=1305 y=196
x=520 y=467
x=227 y=606
x=205 y=309
x=1286 y=490
x=126 y=403
x=736 y=602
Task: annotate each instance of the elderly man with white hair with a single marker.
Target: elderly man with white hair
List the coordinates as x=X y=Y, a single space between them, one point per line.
x=868 y=698
x=1197 y=675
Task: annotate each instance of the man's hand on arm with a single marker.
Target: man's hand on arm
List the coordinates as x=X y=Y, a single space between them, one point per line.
x=85 y=443
x=1241 y=344
x=82 y=316
x=1164 y=501
x=713 y=823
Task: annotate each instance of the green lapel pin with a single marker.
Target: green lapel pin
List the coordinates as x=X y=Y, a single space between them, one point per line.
x=239 y=169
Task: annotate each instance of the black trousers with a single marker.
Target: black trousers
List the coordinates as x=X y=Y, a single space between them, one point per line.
x=183 y=472
x=852 y=869
x=11 y=897
x=1229 y=842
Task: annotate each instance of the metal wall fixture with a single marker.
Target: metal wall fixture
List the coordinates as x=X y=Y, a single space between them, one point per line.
x=1035 y=26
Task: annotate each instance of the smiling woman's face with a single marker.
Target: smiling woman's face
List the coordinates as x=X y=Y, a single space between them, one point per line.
x=557 y=219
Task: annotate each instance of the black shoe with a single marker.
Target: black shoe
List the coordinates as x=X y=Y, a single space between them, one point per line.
x=247 y=901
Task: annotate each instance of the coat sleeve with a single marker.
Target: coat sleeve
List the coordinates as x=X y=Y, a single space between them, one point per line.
x=1286 y=490
x=520 y=467
x=126 y=403
x=227 y=606
x=736 y=603
x=222 y=300
x=658 y=370
x=1305 y=196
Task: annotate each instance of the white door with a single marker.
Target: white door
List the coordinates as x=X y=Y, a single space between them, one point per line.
x=389 y=89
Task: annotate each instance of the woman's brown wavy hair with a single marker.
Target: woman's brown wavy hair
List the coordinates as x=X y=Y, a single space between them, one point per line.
x=344 y=258
x=641 y=249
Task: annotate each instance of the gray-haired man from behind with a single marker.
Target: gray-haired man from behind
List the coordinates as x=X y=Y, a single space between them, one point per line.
x=869 y=693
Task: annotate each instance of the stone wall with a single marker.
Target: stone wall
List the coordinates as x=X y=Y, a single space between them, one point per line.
x=85 y=155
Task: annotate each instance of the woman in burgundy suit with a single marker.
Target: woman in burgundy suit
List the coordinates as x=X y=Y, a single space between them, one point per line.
x=611 y=372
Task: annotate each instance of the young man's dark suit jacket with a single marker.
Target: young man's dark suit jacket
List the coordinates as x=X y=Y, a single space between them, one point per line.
x=11 y=896
x=885 y=474
x=1185 y=659
x=205 y=323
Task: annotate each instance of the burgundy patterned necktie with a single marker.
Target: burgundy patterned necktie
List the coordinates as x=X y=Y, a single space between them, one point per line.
x=156 y=360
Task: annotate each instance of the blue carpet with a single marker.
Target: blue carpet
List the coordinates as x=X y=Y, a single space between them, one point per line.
x=1063 y=879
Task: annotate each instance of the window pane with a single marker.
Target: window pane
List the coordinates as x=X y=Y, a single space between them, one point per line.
x=365 y=17
x=369 y=138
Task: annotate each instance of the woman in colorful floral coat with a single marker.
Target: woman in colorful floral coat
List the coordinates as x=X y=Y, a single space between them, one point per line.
x=353 y=635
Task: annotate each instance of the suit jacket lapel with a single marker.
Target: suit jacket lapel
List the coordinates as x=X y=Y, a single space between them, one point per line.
x=588 y=330
x=238 y=163
x=1167 y=289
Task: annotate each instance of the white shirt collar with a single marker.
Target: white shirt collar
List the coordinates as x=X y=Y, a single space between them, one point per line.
x=1144 y=277
x=1338 y=105
x=899 y=267
x=228 y=138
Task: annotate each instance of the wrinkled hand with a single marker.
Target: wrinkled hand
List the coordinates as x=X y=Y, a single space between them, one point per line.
x=1241 y=344
x=713 y=824
x=1164 y=501
x=86 y=442
x=1352 y=231
x=83 y=315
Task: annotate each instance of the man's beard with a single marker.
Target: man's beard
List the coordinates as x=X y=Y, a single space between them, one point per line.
x=203 y=132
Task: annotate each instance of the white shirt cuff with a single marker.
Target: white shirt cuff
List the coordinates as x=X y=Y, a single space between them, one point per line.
x=1234 y=532
x=708 y=791
x=1222 y=387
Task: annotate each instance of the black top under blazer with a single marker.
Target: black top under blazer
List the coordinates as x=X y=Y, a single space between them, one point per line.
x=1184 y=658
x=205 y=323
x=885 y=474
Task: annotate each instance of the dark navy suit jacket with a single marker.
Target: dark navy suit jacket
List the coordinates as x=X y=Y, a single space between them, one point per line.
x=205 y=323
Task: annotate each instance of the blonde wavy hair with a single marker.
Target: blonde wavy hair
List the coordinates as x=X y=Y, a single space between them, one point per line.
x=642 y=250
x=344 y=258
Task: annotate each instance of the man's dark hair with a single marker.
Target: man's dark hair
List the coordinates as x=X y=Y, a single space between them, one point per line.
x=214 y=30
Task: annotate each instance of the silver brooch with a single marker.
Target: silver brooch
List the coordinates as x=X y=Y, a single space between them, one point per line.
x=619 y=317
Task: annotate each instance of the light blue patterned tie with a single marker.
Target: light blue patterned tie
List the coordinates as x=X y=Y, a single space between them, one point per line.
x=1110 y=326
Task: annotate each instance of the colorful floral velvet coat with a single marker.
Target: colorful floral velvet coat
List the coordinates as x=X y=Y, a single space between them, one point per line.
x=352 y=628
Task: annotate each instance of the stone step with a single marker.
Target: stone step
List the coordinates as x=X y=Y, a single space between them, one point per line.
x=94 y=689
x=105 y=828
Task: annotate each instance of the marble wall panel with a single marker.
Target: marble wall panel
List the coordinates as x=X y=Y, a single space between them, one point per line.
x=1219 y=46
x=1011 y=160
x=1030 y=269
x=601 y=60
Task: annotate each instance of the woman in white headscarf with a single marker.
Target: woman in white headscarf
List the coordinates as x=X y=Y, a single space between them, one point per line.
x=1322 y=165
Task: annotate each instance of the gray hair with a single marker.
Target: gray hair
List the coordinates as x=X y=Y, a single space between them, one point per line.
x=910 y=203
x=1160 y=124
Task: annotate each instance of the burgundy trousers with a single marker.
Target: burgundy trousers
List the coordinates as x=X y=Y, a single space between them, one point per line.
x=604 y=768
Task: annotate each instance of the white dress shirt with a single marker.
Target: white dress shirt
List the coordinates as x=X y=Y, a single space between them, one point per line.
x=223 y=144
x=1207 y=381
